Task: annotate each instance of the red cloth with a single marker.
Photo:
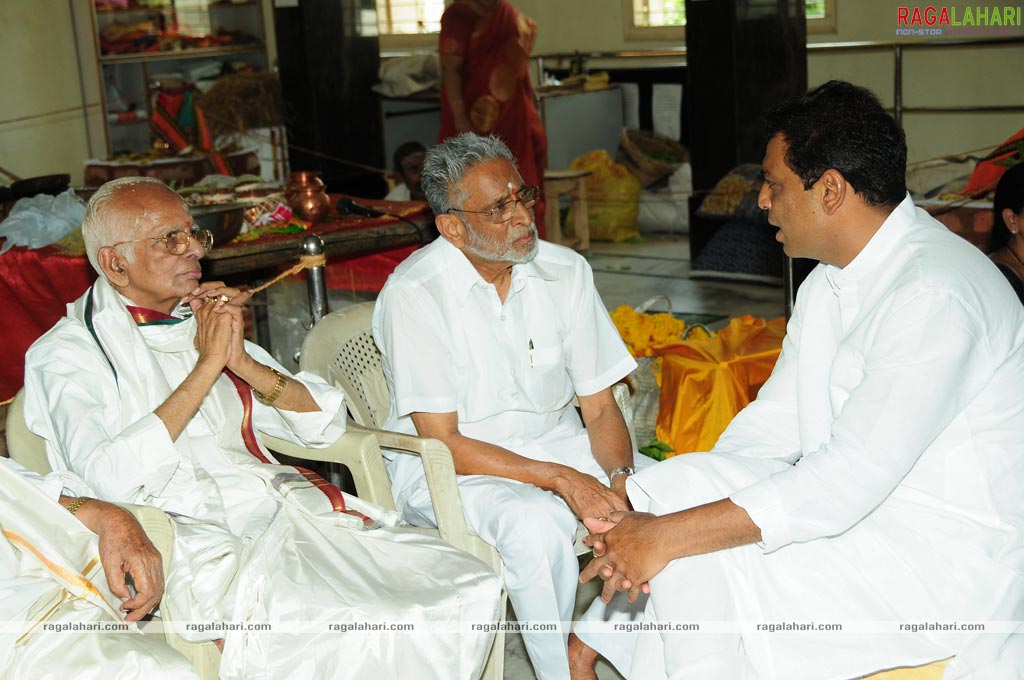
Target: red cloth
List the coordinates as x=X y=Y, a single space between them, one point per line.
x=988 y=172
x=496 y=90
x=35 y=286
x=367 y=273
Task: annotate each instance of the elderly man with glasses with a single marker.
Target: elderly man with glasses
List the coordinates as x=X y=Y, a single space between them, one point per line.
x=148 y=392
x=486 y=335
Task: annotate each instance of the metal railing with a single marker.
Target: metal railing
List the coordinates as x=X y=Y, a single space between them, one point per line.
x=566 y=59
x=899 y=48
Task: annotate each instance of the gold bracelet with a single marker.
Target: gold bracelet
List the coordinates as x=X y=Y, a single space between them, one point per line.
x=77 y=503
x=275 y=393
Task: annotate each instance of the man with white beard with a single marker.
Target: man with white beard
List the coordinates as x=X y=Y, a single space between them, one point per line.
x=486 y=336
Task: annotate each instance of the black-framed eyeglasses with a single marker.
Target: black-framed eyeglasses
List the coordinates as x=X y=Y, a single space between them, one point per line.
x=503 y=212
x=177 y=241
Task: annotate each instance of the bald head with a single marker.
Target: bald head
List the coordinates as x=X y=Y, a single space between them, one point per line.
x=115 y=212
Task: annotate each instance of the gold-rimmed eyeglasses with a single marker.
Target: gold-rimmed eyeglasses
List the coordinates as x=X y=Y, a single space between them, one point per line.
x=177 y=241
x=504 y=211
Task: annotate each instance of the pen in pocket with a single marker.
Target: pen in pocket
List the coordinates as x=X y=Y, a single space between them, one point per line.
x=531 y=352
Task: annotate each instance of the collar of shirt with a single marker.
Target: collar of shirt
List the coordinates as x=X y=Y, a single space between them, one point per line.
x=874 y=253
x=465 y=277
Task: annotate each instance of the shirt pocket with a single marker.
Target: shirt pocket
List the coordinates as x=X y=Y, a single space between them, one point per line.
x=546 y=381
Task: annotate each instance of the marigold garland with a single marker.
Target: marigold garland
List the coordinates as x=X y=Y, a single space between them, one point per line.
x=644 y=333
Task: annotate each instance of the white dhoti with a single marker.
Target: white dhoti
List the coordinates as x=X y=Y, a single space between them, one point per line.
x=384 y=603
x=70 y=650
x=54 y=600
x=534 y=531
x=867 y=580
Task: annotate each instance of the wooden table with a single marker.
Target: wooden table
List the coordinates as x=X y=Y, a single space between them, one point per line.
x=342 y=237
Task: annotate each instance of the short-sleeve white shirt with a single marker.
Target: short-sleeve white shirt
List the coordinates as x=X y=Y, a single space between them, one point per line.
x=509 y=370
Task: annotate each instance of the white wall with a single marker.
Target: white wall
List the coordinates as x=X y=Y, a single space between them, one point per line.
x=43 y=113
x=39 y=135
x=584 y=25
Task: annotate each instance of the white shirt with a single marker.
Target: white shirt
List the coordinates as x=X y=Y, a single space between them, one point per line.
x=510 y=370
x=899 y=386
x=399 y=193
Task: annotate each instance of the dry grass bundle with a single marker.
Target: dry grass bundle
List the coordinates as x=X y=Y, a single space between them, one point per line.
x=240 y=101
x=650 y=156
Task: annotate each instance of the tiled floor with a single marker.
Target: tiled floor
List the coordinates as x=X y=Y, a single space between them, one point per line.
x=630 y=273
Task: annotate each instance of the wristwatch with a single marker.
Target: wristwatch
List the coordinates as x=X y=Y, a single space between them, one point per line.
x=624 y=470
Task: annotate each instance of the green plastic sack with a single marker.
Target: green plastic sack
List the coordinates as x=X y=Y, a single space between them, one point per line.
x=613 y=195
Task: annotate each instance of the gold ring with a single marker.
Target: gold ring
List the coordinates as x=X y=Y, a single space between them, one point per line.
x=224 y=298
x=602 y=519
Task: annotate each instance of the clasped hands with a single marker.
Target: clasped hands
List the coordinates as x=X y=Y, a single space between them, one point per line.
x=220 y=326
x=627 y=552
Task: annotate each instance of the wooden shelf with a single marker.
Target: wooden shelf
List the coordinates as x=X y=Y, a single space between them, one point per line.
x=190 y=33
x=170 y=7
x=178 y=54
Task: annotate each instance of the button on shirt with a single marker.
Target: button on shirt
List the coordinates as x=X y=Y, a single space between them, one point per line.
x=509 y=370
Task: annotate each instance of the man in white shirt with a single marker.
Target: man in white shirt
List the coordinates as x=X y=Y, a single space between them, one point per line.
x=876 y=481
x=486 y=334
x=63 y=561
x=148 y=391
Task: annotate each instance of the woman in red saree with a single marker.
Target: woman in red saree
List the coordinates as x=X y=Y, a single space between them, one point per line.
x=485 y=53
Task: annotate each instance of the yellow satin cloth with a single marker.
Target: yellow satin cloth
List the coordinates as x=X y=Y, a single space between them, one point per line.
x=932 y=671
x=706 y=381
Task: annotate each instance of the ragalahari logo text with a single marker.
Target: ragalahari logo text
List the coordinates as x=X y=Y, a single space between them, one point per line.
x=958 y=20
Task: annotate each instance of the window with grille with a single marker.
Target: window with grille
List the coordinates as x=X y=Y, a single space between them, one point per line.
x=409 y=21
x=666 y=19
x=418 y=21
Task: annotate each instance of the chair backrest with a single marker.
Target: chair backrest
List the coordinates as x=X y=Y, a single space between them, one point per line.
x=23 y=445
x=341 y=350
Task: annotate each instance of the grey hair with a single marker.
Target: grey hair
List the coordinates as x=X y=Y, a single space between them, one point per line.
x=447 y=163
x=106 y=222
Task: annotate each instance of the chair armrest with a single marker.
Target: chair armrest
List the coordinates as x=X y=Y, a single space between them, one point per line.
x=204 y=656
x=358 y=451
x=625 y=401
x=157 y=526
x=439 y=470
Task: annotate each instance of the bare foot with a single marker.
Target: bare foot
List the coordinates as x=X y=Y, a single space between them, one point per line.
x=581 y=659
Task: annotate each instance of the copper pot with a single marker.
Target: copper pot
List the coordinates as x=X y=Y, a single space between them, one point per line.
x=300 y=180
x=311 y=203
